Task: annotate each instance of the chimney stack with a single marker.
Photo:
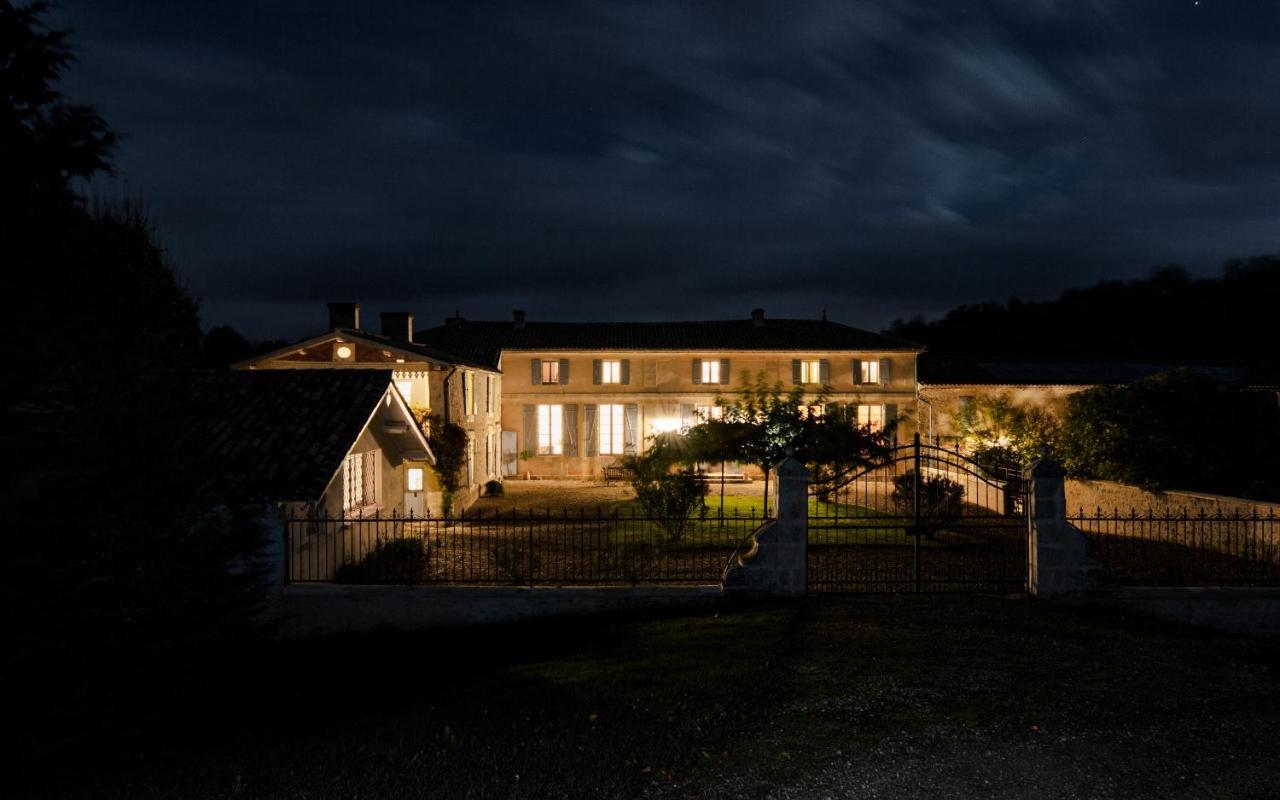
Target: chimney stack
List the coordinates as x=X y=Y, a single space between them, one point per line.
x=757 y=317
x=344 y=315
x=518 y=315
x=397 y=325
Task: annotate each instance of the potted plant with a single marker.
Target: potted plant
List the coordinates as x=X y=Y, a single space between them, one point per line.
x=525 y=455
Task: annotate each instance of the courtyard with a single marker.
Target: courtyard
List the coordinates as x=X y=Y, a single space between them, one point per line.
x=872 y=696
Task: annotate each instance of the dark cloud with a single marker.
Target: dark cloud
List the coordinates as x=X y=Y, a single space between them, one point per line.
x=610 y=160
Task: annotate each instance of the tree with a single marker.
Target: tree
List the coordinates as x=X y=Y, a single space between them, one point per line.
x=666 y=493
x=1176 y=430
x=1005 y=435
x=448 y=442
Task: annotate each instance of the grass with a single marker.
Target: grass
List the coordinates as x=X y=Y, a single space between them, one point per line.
x=888 y=696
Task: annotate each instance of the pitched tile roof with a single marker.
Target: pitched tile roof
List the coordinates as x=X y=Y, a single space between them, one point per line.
x=269 y=434
x=427 y=351
x=485 y=341
x=935 y=370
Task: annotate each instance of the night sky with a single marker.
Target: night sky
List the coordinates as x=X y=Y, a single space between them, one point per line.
x=682 y=159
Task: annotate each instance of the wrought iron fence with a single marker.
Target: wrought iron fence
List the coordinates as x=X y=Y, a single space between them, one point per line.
x=1184 y=548
x=514 y=548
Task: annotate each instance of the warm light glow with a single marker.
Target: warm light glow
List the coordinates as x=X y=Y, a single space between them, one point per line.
x=870 y=371
x=709 y=412
x=610 y=422
x=415 y=479
x=872 y=416
x=344 y=351
x=665 y=425
x=710 y=371
x=611 y=372
x=406 y=390
x=550 y=430
x=550 y=371
x=810 y=371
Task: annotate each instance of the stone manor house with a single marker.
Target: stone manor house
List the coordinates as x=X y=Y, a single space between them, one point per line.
x=568 y=400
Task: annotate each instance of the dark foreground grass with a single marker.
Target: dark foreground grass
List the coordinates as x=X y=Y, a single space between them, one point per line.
x=891 y=696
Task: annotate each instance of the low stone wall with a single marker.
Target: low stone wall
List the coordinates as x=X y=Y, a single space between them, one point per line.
x=320 y=609
x=1109 y=495
x=1232 y=610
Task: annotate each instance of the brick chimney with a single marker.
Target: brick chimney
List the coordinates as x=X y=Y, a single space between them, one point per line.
x=518 y=316
x=397 y=325
x=344 y=315
x=757 y=317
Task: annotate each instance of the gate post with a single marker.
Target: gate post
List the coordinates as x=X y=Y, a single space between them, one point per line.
x=1058 y=561
x=778 y=561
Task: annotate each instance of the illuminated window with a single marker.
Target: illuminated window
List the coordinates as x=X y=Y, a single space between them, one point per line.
x=816 y=411
x=872 y=416
x=810 y=371
x=406 y=390
x=870 y=371
x=710 y=370
x=611 y=372
x=610 y=423
x=415 y=479
x=360 y=480
x=550 y=430
x=550 y=371
x=709 y=412
x=344 y=351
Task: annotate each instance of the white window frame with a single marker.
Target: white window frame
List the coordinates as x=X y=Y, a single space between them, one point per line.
x=710 y=370
x=870 y=372
x=415 y=479
x=611 y=370
x=550 y=370
x=611 y=426
x=872 y=415
x=811 y=370
x=550 y=429
x=360 y=482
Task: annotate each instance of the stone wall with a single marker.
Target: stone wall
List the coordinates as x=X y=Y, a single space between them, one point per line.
x=1110 y=495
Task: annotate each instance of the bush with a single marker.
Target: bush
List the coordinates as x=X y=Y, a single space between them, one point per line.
x=1176 y=430
x=672 y=498
x=402 y=561
x=940 y=498
x=494 y=489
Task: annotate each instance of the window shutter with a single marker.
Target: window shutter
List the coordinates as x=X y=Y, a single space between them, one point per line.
x=697 y=370
x=890 y=416
x=886 y=372
x=564 y=371
x=537 y=371
x=630 y=424
x=570 y=443
x=589 y=430
x=531 y=428
x=857 y=372
x=626 y=371
x=795 y=371
x=724 y=370
x=824 y=372
x=595 y=371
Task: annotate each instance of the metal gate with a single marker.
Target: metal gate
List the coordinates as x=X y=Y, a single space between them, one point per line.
x=927 y=520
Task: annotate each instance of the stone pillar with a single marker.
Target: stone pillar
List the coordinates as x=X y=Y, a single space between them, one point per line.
x=1058 y=561
x=778 y=561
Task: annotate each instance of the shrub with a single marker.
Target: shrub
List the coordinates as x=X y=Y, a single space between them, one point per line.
x=397 y=561
x=940 y=498
x=494 y=489
x=670 y=497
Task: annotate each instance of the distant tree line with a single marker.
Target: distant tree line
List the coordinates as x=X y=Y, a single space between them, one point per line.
x=1167 y=318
